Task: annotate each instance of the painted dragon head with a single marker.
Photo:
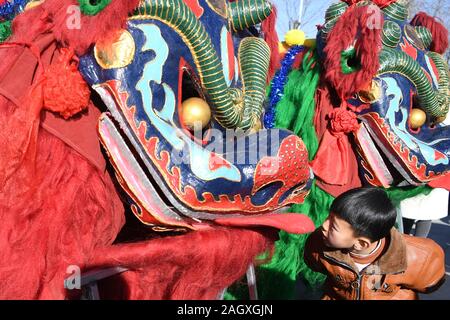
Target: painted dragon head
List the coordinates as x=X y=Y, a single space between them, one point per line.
x=387 y=69
x=184 y=85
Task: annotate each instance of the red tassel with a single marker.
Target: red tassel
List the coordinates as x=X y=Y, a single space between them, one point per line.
x=65 y=91
x=271 y=37
x=331 y=163
x=437 y=29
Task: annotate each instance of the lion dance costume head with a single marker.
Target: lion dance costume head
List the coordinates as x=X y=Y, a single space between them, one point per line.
x=111 y=103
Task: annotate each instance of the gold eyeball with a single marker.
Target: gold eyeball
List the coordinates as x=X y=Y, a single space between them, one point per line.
x=417 y=118
x=195 y=113
x=118 y=54
x=372 y=94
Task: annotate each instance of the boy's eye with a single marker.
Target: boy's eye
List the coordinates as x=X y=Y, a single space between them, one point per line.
x=92 y=7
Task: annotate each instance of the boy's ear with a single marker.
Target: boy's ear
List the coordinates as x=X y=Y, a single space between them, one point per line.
x=362 y=243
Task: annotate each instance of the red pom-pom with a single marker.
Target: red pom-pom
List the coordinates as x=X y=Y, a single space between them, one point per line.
x=65 y=91
x=343 y=121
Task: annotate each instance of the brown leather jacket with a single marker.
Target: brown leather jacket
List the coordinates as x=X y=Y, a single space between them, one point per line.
x=407 y=266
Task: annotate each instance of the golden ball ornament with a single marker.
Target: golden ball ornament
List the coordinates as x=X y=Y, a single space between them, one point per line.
x=118 y=54
x=195 y=112
x=295 y=37
x=417 y=118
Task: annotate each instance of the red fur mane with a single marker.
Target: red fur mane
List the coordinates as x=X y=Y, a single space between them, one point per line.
x=437 y=29
x=353 y=25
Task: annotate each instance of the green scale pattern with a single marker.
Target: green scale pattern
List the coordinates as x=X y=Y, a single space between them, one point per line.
x=395 y=61
x=391 y=34
x=227 y=104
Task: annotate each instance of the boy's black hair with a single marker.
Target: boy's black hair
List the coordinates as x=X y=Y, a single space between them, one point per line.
x=368 y=210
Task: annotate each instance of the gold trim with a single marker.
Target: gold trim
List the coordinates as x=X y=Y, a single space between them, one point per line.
x=118 y=54
x=410 y=32
x=373 y=95
x=180 y=33
x=213 y=8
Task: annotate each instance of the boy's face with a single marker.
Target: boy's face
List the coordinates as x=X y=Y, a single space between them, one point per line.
x=338 y=233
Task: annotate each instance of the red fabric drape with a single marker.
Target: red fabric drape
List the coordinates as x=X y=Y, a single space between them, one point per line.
x=335 y=164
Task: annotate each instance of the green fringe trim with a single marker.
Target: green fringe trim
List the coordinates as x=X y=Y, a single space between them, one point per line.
x=295 y=111
x=398 y=194
x=5 y=30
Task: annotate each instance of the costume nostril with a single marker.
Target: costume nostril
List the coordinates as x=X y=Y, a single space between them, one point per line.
x=268 y=191
x=295 y=190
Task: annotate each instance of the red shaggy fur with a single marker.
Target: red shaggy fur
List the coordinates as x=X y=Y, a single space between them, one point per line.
x=437 y=29
x=91 y=28
x=197 y=265
x=271 y=37
x=353 y=25
x=57 y=217
x=71 y=215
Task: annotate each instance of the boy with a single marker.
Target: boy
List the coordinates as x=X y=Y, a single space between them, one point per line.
x=366 y=258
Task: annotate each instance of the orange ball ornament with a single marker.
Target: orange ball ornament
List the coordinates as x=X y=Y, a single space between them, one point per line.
x=195 y=113
x=417 y=118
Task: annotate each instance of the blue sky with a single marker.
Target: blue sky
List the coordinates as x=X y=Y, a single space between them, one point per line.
x=315 y=13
